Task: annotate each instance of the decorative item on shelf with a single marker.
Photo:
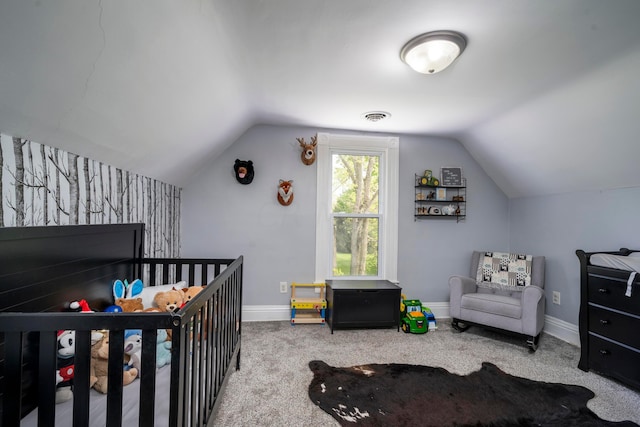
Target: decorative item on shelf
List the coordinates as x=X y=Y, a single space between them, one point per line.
x=451 y=176
x=243 y=170
x=448 y=210
x=421 y=196
x=441 y=194
x=285 y=192
x=308 y=154
x=434 y=210
x=428 y=179
x=431 y=195
x=457 y=199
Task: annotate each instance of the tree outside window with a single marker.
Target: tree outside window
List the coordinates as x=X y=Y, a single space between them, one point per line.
x=357 y=207
x=355 y=214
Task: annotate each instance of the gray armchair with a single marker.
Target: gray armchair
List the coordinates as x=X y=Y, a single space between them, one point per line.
x=518 y=309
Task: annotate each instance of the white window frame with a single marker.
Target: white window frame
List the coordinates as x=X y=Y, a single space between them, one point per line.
x=388 y=150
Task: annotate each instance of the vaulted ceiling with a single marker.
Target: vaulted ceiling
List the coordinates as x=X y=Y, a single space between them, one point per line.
x=545 y=97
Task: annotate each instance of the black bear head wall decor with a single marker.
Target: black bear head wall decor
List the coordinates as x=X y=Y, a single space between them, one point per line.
x=243 y=171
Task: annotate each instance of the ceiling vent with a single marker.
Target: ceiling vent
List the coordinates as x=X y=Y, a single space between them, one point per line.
x=376 y=116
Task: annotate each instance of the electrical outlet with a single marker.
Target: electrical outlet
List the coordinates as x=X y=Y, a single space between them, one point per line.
x=556 y=297
x=283 y=287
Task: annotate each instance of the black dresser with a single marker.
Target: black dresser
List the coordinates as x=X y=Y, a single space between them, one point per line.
x=363 y=304
x=609 y=321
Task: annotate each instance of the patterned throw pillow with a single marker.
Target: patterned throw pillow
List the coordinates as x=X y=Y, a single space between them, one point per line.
x=504 y=270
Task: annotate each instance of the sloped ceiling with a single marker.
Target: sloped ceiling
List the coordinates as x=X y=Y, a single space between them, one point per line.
x=545 y=96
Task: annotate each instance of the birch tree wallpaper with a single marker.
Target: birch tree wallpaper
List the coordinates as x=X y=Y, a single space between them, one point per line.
x=41 y=185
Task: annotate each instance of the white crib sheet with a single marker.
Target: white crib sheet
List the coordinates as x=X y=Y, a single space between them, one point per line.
x=98 y=405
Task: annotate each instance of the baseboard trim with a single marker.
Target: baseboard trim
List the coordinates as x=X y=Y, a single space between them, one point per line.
x=265 y=313
x=553 y=326
x=563 y=330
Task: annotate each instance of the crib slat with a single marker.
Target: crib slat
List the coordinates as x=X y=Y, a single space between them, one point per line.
x=12 y=378
x=192 y=275
x=178 y=271
x=148 y=378
x=114 y=393
x=46 y=378
x=82 y=360
x=178 y=359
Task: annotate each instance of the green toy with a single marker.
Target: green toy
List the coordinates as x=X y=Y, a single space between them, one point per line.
x=415 y=318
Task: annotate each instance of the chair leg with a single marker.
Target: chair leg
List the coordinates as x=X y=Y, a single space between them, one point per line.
x=532 y=343
x=457 y=326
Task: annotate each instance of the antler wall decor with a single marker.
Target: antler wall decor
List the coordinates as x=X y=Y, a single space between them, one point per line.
x=308 y=154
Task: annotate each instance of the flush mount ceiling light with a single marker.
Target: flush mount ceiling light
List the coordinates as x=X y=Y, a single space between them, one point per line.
x=432 y=52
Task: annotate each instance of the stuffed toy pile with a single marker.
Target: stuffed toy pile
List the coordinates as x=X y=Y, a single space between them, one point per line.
x=100 y=363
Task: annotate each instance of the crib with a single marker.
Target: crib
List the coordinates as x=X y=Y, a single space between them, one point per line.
x=42 y=268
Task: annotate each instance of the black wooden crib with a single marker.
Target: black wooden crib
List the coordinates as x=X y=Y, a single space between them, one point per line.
x=42 y=269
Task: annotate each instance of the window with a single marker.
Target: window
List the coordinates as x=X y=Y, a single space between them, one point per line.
x=357 y=209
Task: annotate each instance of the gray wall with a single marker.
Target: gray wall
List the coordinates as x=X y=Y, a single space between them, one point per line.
x=223 y=218
x=557 y=225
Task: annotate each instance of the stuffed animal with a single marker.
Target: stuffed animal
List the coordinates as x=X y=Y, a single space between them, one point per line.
x=125 y=293
x=130 y=305
x=133 y=348
x=285 y=192
x=126 y=289
x=243 y=171
x=190 y=292
x=65 y=365
x=163 y=349
x=308 y=154
x=169 y=301
x=80 y=306
x=99 y=366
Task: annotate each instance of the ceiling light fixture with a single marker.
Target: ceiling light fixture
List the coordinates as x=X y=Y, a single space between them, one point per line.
x=432 y=52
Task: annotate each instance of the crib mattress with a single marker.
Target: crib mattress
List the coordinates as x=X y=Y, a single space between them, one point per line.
x=98 y=405
x=620 y=262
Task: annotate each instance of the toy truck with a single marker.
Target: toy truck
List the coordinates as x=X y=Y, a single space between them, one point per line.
x=415 y=318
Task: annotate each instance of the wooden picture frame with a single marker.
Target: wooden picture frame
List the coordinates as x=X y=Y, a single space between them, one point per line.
x=451 y=176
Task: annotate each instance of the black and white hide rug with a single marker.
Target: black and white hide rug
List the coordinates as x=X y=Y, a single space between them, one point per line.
x=410 y=395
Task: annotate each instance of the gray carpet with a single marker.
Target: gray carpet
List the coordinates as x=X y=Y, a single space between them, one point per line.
x=271 y=387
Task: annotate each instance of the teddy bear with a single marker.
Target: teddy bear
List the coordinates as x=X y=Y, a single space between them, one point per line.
x=130 y=304
x=190 y=292
x=169 y=301
x=99 y=366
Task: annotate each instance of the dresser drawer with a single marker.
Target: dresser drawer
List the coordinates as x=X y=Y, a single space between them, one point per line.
x=610 y=292
x=614 y=360
x=616 y=326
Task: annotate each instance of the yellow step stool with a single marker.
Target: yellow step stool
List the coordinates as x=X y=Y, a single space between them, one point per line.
x=308 y=309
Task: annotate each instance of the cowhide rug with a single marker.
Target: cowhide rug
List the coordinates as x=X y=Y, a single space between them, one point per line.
x=410 y=395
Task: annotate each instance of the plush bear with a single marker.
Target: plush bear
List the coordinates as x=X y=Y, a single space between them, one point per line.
x=130 y=304
x=163 y=349
x=100 y=363
x=190 y=292
x=244 y=171
x=169 y=301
